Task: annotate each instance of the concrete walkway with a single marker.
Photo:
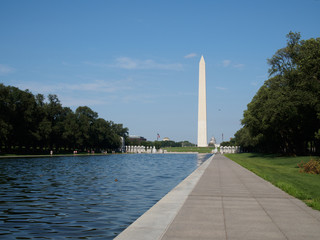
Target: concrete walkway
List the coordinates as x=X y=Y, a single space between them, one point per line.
x=230 y=202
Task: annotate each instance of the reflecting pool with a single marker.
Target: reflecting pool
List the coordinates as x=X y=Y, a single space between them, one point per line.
x=88 y=197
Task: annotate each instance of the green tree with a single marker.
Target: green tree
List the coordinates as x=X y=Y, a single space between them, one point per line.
x=29 y=122
x=232 y=142
x=85 y=119
x=5 y=112
x=24 y=110
x=71 y=132
x=284 y=114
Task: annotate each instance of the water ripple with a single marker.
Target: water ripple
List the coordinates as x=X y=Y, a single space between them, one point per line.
x=84 y=197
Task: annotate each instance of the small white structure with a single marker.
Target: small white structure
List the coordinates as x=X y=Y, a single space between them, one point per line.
x=229 y=149
x=154 y=150
x=142 y=149
x=123 y=147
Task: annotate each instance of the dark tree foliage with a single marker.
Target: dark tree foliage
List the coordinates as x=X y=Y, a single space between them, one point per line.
x=30 y=124
x=230 y=143
x=284 y=115
x=160 y=144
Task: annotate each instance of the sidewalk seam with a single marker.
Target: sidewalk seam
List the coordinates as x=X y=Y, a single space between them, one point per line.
x=167 y=227
x=234 y=172
x=304 y=209
x=223 y=212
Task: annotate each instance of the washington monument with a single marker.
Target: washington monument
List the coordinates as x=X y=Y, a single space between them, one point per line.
x=202 y=106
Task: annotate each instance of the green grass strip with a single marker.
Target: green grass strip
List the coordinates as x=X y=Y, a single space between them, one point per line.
x=283 y=172
x=190 y=149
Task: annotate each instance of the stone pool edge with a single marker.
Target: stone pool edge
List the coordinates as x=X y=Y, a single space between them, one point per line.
x=154 y=222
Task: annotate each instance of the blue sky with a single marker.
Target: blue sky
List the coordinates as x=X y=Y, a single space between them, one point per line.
x=136 y=62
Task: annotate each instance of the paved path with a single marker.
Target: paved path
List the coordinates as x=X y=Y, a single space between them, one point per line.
x=226 y=201
x=230 y=202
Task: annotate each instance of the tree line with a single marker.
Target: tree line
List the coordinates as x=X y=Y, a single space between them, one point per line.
x=33 y=124
x=159 y=144
x=284 y=115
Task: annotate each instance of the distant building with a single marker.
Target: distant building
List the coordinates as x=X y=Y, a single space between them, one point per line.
x=212 y=142
x=136 y=140
x=166 y=139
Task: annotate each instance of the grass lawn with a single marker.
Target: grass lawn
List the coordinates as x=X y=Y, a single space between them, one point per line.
x=283 y=172
x=190 y=149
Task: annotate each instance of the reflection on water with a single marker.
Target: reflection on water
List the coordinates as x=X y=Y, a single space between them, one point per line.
x=84 y=197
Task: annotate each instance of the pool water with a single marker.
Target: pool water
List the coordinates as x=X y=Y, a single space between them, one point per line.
x=88 y=197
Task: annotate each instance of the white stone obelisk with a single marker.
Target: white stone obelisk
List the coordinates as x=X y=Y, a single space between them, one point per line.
x=202 y=106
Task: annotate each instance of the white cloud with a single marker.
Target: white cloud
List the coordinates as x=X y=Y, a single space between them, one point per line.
x=229 y=63
x=238 y=65
x=76 y=101
x=226 y=63
x=221 y=88
x=101 y=86
x=5 y=69
x=129 y=63
x=36 y=87
x=191 y=55
x=141 y=98
x=89 y=93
